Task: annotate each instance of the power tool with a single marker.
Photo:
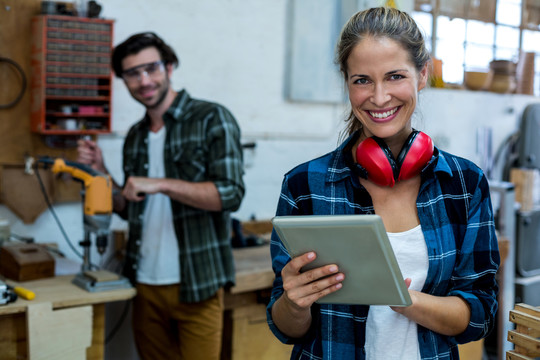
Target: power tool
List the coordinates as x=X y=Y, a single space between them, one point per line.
x=7 y=294
x=97 y=197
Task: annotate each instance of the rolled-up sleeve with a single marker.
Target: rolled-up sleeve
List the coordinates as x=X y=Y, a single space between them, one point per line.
x=225 y=167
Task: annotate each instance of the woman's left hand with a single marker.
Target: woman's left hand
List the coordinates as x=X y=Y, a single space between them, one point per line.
x=400 y=309
x=446 y=315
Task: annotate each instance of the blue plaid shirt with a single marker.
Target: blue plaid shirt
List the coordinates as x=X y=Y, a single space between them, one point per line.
x=455 y=212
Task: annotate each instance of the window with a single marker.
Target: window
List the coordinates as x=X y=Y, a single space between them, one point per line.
x=471 y=33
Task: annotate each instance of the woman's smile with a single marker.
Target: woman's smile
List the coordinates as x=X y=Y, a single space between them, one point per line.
x=383 y=115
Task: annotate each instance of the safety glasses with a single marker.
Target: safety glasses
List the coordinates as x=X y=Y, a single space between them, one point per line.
x=134 y=75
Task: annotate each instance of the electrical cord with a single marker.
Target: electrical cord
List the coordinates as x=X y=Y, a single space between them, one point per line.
x=108 y=263
x=28 y=240
x=23 y=80
x=25 y=239
x=51 y=209
x=509 y=146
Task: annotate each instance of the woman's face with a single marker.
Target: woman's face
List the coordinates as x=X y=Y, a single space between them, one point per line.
x=383 y=87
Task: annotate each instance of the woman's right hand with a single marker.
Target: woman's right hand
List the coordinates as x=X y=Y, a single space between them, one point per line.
x=302 y=289
x=292 y=311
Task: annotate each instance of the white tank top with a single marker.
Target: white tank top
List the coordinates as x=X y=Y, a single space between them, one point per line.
x=390 y=335
x=159 y=262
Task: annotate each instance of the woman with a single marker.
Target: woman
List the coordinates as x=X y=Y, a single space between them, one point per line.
x=436 y=210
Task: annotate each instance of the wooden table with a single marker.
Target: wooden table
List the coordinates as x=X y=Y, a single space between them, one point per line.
x=246 y=334
x=61 y=320
x=253 y=268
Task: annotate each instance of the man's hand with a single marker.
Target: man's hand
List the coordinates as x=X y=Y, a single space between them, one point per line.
x=137 y=187
x=90 y=154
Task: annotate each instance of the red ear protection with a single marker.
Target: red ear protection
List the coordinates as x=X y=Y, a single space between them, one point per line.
x=383 y=169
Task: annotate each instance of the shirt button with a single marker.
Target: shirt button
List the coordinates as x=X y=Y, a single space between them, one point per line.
x=138 y=242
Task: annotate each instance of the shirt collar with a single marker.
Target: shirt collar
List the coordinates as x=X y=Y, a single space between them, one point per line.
x=341 y=161
x=178 y=106
x=438 y=163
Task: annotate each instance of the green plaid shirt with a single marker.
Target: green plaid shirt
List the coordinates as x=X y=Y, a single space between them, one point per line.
x=202 y=144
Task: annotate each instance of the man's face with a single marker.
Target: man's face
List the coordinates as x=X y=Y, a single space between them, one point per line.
x=146 y=77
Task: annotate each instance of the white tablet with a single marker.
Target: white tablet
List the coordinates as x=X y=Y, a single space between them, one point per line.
x=360 y=247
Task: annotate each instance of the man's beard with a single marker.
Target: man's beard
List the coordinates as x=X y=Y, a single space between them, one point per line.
x=161 y=98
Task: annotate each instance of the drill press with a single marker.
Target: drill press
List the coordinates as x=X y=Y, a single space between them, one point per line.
x=97 y=204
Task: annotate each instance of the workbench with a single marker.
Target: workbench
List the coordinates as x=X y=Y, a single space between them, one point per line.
x=63 y=321
x=246 y=334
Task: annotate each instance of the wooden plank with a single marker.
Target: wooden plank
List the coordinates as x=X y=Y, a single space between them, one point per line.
x=257 y=227
x=59 y=334
x=528 y=309
x=253 y=269
x=512 y=355
x=254 y=281
x=53 y=297
x=471 y=351
x=13 y=337
x=252 y=338
x=97 y=350
x=15 y=44
x=22 y=194
x=527 y=320
x=16 y=139
x=63 y=294
x=528 y=345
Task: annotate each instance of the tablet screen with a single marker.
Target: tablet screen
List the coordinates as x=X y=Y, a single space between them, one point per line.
x=360 y=247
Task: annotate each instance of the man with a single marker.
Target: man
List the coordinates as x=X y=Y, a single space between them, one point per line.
x=183 y=176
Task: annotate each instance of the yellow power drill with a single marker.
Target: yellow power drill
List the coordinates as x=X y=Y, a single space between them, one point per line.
x=97 y=198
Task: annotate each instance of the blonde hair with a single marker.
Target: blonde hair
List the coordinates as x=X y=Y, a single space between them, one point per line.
x=380 y=22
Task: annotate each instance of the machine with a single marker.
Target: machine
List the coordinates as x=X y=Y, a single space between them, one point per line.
x=7 y=294
x=97 y=213
x=528 y=221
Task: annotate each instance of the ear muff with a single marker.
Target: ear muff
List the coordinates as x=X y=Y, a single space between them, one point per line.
x=415 y=155
x=376 y=158
x=383 y=169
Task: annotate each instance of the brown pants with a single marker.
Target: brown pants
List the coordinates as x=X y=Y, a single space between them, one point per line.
x=165 y=328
